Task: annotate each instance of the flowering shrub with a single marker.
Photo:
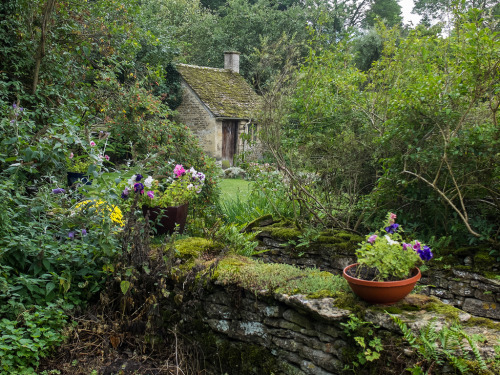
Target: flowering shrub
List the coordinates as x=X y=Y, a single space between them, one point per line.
x=176 y=190
x=101 y=208
x=93 y=154
x=385 y=256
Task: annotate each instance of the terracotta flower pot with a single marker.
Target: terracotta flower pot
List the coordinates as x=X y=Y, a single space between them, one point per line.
x=381 y=292
x=166 y=218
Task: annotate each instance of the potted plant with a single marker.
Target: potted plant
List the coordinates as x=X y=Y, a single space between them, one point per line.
x=166 y=202
x=387 y=268
x=91 y=158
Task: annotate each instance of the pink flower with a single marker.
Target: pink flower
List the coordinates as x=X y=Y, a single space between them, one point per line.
x=416 y=247
x=107 y=157
x=179 y=170
x=151 y=194
x=71 y=155
x=372 y=238
x=92 y=143
x=392 y=218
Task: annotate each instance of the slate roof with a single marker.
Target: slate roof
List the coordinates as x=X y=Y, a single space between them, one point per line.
x=224 y=92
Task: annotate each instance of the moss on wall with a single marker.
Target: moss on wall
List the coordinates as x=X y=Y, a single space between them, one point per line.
x=277 y=278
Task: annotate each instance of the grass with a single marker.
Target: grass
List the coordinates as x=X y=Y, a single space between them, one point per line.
x=234 y=188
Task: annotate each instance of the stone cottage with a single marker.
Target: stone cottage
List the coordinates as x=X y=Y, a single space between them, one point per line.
x=218 y=105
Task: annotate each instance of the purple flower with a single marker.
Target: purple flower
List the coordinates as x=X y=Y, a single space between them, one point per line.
x=125 y=193
x=372 y=238
x=14 y=105
x=425 y=254
x=406 y=246
x=151 y=194
x=12 y=122
x=58 y=191
x=138 y=178
x=138 y=187
x=84 y=232
x=71 y=235
x=92 y=143
x=391 y=229
x=416 y=247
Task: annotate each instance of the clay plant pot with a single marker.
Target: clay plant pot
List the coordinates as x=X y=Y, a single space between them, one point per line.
x=381 y=292
x=165 y=219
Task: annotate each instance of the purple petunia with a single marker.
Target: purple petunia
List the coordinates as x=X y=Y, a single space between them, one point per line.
x=71 y=235
x=58 y=191
x=425 y=253
x=125 y=193
x=406 y=246
x=84 y=232
x=138 y=187
x=151 y=194
x=138 y=177
x=372 y=238
x=391 y=229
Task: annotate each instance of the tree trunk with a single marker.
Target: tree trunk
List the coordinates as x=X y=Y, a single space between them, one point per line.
x=47 y=11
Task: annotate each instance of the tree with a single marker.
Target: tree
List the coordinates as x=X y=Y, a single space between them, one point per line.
x=442 y=10
x=387 y=10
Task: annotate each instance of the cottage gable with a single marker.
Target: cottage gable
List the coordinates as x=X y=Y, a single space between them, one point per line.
x=224 y=92
x=218 y=105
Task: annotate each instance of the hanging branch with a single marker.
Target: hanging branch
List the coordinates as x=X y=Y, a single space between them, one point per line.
x=47 y=12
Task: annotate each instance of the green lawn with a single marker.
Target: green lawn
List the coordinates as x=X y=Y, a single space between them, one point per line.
x=232 y=188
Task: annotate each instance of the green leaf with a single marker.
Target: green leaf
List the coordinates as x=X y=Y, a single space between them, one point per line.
x=124 y=286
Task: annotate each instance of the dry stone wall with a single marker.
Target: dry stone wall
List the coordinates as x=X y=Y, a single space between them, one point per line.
x=468 y=291
x=306 y=336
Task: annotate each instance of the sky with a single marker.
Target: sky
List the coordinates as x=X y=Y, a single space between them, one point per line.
x=406 y=7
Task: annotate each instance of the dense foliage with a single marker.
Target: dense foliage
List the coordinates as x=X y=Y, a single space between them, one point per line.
x=417 y=133
x=360 y=119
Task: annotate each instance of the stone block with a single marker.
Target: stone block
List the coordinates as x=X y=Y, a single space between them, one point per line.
x=297 y=318
x=482 y=308
x=217 y=311
x=441 y=293
x=488 y=297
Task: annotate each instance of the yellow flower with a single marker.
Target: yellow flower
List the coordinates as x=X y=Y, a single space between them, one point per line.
x=114 y=213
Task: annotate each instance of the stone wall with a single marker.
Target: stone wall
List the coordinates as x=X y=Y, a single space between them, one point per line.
x=466 y=290
x=194 y=114
x=306 y=336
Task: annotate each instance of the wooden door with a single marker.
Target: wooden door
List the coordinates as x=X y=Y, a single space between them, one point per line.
x=229 y=140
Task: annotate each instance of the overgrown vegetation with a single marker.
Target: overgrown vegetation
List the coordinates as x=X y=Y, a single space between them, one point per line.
x=416 y=133
x=359 y=119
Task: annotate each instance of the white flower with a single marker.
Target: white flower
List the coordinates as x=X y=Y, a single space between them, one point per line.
x=148 y=182
x=190 y=186
x=131 y=181
x=390 y=241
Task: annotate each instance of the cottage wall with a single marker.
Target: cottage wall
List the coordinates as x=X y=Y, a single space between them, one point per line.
x=194 y=114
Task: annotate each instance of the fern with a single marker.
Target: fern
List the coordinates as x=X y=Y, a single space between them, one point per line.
x=407 y=333
x=436 y=347
x=458 y=363
x=475 y=350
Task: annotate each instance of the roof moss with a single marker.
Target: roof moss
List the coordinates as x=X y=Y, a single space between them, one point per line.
x=224 y=92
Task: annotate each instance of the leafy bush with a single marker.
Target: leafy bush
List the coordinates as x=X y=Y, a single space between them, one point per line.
x=28 y=337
